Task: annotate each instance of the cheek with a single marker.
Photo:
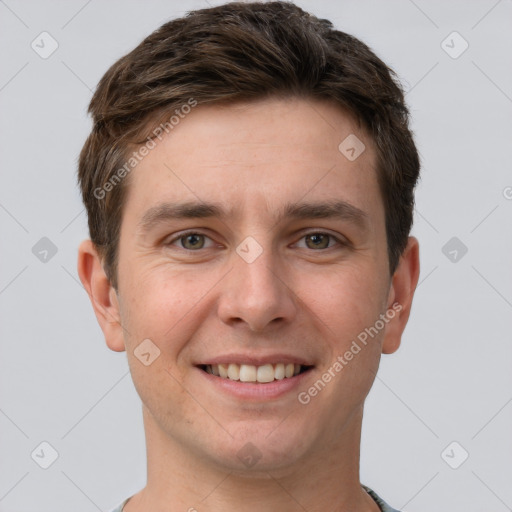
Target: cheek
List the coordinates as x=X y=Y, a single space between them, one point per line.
x=160 y=390
x=347 y=301
x=348 y=307
x=165 y=306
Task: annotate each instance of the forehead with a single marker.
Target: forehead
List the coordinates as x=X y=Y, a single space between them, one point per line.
x=258 y=156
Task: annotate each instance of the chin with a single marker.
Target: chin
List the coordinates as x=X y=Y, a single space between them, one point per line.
x=258 y=447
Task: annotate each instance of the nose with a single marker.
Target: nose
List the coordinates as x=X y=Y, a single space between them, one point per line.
x=257 y=294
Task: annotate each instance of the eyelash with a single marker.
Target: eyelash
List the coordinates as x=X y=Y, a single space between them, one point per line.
x=188 y=233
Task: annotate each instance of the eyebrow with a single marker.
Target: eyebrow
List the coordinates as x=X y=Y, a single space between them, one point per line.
x=335 y=209
x=164 y=212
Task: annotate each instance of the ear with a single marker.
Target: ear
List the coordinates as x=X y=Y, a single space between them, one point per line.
x=102 y=295
x=401 y=292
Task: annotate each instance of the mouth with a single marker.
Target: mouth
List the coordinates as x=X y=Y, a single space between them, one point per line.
x=263 y=374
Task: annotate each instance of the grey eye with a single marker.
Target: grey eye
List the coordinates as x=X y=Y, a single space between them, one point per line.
x=192 y=241
x=317 y=241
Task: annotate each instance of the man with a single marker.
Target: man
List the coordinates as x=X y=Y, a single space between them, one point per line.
x=249 y=186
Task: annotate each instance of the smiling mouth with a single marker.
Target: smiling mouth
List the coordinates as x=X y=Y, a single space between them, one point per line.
x=250 y=373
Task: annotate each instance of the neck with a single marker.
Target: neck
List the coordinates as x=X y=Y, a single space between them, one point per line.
x=327 y=479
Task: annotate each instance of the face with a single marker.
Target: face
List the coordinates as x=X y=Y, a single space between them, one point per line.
x=253 y=256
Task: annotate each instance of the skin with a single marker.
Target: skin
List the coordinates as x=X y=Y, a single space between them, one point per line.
x=295 y=298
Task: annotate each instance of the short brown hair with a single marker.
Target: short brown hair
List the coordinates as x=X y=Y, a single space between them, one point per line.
x=240 y=52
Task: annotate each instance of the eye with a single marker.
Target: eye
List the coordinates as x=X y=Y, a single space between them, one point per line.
x=320 y=240
x=191 y=241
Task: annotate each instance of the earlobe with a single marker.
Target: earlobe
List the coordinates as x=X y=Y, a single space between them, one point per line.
x=101 y=294
x=403 y=285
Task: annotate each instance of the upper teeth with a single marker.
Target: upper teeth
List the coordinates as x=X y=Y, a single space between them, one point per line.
x=251 y=373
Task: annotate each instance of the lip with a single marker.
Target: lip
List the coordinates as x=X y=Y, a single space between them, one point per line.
x=259 y=360
x=249 y=391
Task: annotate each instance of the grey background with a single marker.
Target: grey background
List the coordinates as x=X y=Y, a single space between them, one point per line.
x=450 y=381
